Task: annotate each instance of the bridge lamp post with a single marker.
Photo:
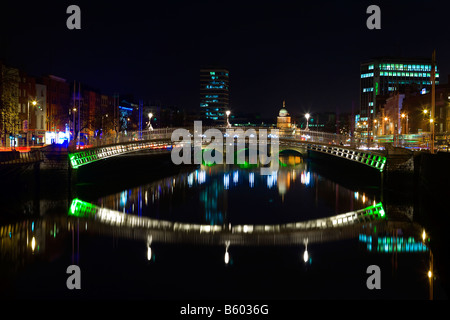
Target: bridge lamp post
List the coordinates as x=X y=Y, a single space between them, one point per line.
x=150 y=115
x=34 y=102
x=307 y=121
x=228 y=112
x=74 y=110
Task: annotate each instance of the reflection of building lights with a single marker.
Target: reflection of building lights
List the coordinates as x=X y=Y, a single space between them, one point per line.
x=364 y=198
x=201 y=176
x=226 y=181
x=123 y=198
x=251 y=179
x=305 y=178
x=190 y=179
x=393 y=244
x=271 y=180
x=356 y=195
x=235 y=177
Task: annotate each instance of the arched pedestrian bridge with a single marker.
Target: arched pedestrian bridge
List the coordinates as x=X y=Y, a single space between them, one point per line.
x=301 y=141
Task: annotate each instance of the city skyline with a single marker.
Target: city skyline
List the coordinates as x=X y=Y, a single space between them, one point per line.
x=276 y=52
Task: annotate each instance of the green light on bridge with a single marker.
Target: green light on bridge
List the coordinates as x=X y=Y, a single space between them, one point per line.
x=376 y=209
x=81 y=209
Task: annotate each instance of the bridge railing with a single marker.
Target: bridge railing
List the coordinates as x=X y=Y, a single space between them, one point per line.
x=165 y=133
x=20 y=157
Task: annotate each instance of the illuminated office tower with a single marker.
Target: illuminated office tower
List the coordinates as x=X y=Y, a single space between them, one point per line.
x=381 y=76
x=214 y=94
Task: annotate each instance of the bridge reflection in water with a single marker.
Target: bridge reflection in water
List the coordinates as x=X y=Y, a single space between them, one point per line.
x=145 y=215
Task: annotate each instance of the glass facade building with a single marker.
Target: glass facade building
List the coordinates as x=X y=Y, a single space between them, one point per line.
x=381 y=76
x=214 y=94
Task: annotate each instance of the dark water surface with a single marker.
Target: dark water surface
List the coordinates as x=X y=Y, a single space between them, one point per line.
x=115 y=262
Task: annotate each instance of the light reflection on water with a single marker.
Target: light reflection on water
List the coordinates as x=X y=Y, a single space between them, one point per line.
x=231 y=194
x=221 y=195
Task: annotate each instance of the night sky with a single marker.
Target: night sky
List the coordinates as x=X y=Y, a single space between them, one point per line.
x=307 y=53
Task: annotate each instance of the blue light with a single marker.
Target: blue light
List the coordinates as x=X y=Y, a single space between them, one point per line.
x=125 y=108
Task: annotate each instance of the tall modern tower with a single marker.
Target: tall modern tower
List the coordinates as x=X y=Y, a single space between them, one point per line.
x=385 y=75
x=214 y=94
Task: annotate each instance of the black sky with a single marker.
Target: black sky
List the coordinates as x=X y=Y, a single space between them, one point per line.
x=307 y=53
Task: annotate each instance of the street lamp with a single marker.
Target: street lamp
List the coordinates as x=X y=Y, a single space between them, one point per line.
x=74 y=111
x=228 y=118
x=307 y=121
x=384 y=125
x=150 y=115
x=425 y=112
x=34 y=102
x=106 y=115
x=404 y=115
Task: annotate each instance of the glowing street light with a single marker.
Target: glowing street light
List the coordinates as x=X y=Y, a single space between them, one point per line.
x=307 y=120
x=404 y=115
x=228 y=112
x=74 y=110
x=34 y=103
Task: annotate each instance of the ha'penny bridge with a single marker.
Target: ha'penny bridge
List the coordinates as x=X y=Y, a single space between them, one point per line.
x=302 y=141
x=306 y=142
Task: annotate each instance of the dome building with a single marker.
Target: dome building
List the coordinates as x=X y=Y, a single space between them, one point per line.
x=283 y=119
